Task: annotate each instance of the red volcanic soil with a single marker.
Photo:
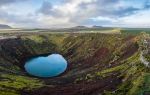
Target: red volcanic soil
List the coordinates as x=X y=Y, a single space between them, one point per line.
x=130 y=49
x=101 y=53
x=99 y=56
x=84 y=88
x=130 y=37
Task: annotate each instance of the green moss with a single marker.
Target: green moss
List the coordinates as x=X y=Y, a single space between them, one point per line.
x=9 y=92
x=104 y=73
x=11 y=69
x=136 y=86
x=19 y=82
x=133 y=77
x=146 y=83
x=39 y=44
x=147 y=57
x=43 y=43
x=36 y=38
x=79 y=79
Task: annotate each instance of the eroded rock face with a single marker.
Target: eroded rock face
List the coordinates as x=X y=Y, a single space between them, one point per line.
x=14 y=51
x=91 y=69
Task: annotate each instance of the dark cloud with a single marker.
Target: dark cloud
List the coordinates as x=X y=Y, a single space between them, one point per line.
x=4 y=2
x=46 y=8
x=106 y=8
x=111 y=8
x=147 y=4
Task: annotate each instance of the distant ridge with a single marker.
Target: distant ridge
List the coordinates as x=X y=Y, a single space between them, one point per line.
x=3 y=26
x=79 y=27
x=95 y=26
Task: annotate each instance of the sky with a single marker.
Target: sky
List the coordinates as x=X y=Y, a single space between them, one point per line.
x=69 y=13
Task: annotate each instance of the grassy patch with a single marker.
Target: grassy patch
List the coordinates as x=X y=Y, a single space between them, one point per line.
x=19 y=82
x=11 y=84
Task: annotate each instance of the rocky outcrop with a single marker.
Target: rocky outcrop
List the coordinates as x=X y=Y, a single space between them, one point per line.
x=143 y=60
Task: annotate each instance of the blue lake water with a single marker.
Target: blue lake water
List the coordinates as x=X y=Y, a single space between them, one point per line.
x=50 y=66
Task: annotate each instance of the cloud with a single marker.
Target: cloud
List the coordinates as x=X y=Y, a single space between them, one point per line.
x=46 y=8
x=75 y=11
x=80 y=11
x=5 y=2
x=68 y=13
x=100 y=18
x=140 y=19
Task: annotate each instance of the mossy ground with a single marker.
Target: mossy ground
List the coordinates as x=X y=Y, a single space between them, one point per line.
x=14 y=83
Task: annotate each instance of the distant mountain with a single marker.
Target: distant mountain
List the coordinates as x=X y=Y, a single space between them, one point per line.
x=79 y=27
x=95 y=26
x=3 y=26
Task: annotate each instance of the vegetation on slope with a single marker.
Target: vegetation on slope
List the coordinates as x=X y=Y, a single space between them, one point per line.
x=98 y=64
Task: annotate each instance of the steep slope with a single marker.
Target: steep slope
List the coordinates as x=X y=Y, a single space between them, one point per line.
x=98 y=64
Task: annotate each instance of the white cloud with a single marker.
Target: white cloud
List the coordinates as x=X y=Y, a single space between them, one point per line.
x=65 y=15
x=140 y=19
x=50 y=21
x=100 y=18
x=75 y=12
